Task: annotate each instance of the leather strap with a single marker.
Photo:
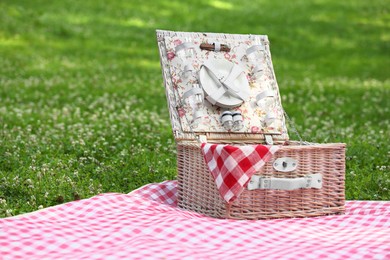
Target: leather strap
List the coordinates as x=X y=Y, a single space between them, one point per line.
x=306 y=182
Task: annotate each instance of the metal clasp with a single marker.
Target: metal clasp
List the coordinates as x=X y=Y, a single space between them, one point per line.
x=285 y=164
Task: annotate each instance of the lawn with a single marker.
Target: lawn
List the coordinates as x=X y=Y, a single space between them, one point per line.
x=83 y=109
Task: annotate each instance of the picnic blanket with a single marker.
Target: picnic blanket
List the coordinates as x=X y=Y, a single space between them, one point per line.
x=146 y=224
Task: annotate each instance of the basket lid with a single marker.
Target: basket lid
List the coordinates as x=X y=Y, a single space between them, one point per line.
x=221 y=85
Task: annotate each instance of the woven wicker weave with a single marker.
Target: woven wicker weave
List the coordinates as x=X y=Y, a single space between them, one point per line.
x=197 y=190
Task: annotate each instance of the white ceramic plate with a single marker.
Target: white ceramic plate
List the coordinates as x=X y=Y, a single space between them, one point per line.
x=210 y=86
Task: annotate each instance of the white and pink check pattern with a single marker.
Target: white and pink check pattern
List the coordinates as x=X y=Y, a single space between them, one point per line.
x=233 y=166
x=146 y=224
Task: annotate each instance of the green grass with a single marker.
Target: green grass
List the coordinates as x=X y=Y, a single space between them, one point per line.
x=83 y=110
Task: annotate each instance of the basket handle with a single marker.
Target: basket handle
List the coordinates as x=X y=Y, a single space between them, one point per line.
x=270 y=183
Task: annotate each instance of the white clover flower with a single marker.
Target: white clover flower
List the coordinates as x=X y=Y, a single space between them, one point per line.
x=8 y=212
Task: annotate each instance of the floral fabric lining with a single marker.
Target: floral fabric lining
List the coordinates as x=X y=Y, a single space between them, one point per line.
x=190 y=61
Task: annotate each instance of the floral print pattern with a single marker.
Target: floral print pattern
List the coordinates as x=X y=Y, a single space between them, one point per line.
x=254 y=113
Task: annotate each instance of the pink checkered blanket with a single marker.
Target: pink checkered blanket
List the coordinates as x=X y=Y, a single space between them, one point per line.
x=146 y=224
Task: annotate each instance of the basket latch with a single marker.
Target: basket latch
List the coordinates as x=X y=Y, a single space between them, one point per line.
x=268 y=139
x=270 y=183
x=202 y=138
x=285 y=164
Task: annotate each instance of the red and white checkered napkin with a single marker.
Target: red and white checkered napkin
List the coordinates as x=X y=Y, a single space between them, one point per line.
x=145 y=224
x=233 y=166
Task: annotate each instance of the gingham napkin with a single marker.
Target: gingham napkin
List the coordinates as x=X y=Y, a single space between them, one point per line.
x=233 y=166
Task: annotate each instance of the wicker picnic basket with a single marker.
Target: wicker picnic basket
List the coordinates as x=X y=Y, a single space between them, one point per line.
x=201 y=73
